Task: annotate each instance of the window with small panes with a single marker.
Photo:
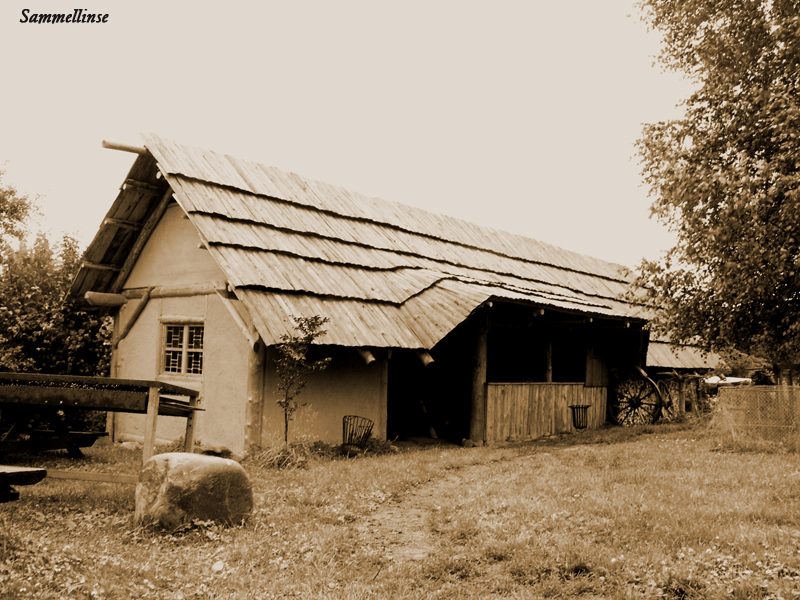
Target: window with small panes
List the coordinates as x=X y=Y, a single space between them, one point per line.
x=183 y=348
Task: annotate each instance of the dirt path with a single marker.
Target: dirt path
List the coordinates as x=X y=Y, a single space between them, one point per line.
x=402 y=528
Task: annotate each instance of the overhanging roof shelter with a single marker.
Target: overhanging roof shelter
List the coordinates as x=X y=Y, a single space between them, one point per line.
x=386 y=274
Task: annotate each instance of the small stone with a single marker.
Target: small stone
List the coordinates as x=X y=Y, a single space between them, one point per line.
x=218 y=566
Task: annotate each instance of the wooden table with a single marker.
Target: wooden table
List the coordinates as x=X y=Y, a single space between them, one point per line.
x=151 y=398
x=11 y=476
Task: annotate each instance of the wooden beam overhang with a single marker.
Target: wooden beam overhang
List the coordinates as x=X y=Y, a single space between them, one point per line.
x=124 y=147
x=366 y=355
x=425 y=357
x=99 y=267
x=142 y=185
x=105 y=300
x=166 y=291
x=119 y=223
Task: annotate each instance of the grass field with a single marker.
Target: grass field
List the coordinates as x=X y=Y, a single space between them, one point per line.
x=653 y=512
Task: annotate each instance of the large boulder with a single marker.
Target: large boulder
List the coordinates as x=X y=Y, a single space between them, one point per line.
x=177 y=487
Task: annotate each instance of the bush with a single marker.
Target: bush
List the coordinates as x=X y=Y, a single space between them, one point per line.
x=292 y=456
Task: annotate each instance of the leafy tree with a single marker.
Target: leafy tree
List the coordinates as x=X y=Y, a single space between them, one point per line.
x=725 y=177
x=293 y=364
x=38 y=333
x=14 y=211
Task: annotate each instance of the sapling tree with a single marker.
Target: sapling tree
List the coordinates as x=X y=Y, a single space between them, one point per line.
x=293 y=364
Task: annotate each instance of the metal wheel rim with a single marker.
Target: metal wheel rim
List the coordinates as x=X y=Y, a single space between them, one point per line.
x=636 y=402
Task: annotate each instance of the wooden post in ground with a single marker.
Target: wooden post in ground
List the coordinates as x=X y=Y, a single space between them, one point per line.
x=477 y=421
x=383 y=431
x=151 y=420
x=255 y=394
x=191 y=422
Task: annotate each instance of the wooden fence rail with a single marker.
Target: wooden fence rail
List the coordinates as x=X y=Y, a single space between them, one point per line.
x=532 y=410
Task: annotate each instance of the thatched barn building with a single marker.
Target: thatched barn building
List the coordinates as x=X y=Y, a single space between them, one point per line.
x=436 y=324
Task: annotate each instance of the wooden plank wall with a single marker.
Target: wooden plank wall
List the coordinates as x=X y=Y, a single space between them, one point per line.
x=532 y=410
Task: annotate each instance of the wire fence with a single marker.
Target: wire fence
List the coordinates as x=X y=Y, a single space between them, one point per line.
x=761 y=412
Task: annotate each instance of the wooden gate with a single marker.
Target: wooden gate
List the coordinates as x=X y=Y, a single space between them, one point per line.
x=532 y=410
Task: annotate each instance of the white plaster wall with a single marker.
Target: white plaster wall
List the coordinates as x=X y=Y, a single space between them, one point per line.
x=171 y=257
x=347 y=387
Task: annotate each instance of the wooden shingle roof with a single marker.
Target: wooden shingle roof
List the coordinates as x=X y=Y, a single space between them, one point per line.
x=386 y=274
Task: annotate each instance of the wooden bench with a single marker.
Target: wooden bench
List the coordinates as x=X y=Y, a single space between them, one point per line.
x=11 y=476
x=150 y=398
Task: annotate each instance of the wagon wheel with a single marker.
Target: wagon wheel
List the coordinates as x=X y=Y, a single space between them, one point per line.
x=637 y=402
x=670 y=396
x=18 y=422
x=13 y=423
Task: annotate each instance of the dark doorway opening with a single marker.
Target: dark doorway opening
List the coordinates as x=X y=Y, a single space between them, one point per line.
x=433 y=400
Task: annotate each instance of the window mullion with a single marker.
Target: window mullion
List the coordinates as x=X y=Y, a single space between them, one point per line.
x=185 y=350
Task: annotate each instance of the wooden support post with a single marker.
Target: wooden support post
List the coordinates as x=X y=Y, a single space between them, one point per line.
x=111 y=417
x=548 y=370
x=255 y=395
x=132 y=320
x=477 y=420
x=384 y=400
x=191 y=422
x=681 y=395
x=151 y=420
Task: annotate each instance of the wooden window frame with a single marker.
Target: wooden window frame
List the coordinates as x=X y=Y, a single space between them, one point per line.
x=184 y=348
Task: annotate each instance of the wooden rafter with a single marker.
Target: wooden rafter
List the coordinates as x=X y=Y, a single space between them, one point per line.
x=142 y=185
x=123 y=224
x=99 y=267
x=144 y=235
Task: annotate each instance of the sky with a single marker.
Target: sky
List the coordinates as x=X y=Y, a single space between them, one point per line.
x=517 y=115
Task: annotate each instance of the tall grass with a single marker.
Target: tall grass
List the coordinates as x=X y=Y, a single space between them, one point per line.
x=652 y=512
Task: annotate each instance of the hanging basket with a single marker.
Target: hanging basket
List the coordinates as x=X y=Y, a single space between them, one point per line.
x=356 y=432
x=580 y=415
